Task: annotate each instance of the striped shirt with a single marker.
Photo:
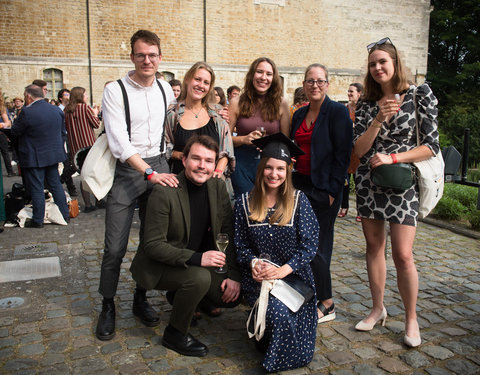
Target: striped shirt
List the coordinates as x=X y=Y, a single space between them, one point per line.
x=80 y=125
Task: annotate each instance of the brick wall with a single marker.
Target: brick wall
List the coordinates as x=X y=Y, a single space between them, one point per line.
x=36 y=35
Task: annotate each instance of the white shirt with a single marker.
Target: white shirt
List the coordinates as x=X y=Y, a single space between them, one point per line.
x=147 y=112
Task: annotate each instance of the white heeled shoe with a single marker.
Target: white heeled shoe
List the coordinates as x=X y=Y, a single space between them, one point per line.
x=412 y=341
x=363 y=326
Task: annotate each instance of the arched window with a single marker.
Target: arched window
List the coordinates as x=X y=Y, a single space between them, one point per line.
x=54 y=79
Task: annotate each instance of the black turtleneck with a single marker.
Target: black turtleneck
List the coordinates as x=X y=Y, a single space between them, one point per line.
x=201 y=238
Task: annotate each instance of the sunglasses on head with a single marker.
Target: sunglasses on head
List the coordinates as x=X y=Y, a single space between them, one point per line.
x=379 y=43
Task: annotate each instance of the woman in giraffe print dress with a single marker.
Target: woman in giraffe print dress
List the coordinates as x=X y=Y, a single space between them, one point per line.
x=385 y=133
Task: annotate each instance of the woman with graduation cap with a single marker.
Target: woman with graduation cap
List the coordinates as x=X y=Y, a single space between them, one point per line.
x=276 y=221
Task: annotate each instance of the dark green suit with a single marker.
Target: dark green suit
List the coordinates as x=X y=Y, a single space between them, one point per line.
x=160 y=262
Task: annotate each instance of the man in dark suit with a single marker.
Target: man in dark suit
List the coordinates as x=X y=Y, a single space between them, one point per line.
x=177 y=253
x=40 y=133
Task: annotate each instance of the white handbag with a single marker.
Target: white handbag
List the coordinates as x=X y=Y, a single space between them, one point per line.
x=98 y=168
x=430 y=176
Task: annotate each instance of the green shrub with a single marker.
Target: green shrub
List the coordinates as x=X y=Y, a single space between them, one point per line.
x=473 y=175
x=449 y=208
x=473 y=217
x=466 y=195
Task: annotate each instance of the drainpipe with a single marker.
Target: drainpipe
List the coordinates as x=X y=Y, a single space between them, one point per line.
x=205 y=30
x=89 y=55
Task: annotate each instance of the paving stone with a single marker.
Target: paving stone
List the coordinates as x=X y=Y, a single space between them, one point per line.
x=342 y=372
x=31 y=350
x=52 y=359
x=79 y=321
x=32 y=337
x=182 y=371
x=319 y=362
x=340 y=358
x=393 y=366
x=6 y=321
x=86 y=351
x=366 y=352
x=154 y=352
x=56 y=313
x=458 y=347
x=6 y=342
x=462 y=367
x=112 y=347
x=88 y=366
x=124 y=358
x=452 y=331
x=57 y=369
x=133 y=368
x=207 y=369
x=158 y=366
x=366 y=369
x=437 y=371
x=470 y=325
x=437 y=352
x=19 y=364
x=388 y=346
x=415 y=359
x=57 y=346
x=24 y=328
x=474 y=358
x=3 y=332
x=137 y=343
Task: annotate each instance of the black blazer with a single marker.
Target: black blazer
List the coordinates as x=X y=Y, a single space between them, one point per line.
x=331 y=145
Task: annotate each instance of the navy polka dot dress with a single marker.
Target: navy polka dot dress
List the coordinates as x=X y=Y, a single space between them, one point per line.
x=291 y=336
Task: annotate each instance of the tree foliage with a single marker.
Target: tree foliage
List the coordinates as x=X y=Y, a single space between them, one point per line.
x=454 y=70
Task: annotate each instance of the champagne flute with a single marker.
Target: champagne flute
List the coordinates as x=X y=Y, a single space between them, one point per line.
x=222 y=243
x=264 y=258
x=263 y=133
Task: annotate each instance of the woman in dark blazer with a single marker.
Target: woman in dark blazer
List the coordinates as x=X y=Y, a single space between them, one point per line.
x=323 y=130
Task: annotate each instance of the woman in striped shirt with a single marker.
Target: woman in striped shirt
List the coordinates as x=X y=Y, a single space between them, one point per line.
x=80 y=120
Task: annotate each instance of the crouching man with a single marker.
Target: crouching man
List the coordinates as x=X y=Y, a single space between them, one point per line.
x=178 y=253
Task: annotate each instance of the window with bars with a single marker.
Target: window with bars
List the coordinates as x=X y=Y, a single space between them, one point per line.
x=54 y=79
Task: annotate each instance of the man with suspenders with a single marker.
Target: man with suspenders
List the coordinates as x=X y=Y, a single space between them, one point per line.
x=134 y=110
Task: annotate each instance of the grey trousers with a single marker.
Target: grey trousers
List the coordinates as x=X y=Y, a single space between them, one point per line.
x=128 y=186
x=192 y=286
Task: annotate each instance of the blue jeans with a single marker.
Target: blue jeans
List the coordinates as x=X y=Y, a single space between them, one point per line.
x=35 y=178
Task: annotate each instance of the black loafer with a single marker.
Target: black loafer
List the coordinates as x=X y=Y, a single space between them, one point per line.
x=106 y=322
x=143 y=310
x=183 y=344
x=33 y=224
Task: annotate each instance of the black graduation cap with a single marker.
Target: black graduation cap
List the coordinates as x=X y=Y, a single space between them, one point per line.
x=278 y=146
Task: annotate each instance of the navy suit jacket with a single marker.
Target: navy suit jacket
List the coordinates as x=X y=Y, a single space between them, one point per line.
x=40 y=134
x=331 y=145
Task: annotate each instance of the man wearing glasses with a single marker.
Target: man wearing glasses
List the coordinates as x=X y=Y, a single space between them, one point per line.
x=140 y=151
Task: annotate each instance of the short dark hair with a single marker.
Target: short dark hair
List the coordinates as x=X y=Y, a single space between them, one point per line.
x=358 y=86
x=146 y=36
x=175 y=82
x=34 y=91
x=204 y=140
x=39 y=83
x=231 y=88
x=60 y=93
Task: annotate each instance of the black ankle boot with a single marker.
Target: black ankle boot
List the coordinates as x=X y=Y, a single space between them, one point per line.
x=142 y=309
x=106 y=321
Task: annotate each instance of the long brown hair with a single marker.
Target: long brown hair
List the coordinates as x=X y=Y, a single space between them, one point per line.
x=373 y=90
x=76 y=97
x=210 y=97
x=270 y=106
x=285 y=199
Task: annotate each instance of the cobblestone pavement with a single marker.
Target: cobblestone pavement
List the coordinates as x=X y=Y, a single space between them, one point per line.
x=53 y=331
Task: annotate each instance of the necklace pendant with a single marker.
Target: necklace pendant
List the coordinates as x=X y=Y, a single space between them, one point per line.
x=196 y=116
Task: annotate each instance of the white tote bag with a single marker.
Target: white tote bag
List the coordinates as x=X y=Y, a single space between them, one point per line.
x=98 y=168
x=430 y=176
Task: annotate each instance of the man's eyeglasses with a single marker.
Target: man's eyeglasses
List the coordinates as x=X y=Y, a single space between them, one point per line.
x=141 y=56
x=379 y=43
x=319 y=82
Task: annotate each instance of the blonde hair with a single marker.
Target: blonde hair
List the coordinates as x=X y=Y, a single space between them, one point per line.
x=210 y=96
x=285 y=200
